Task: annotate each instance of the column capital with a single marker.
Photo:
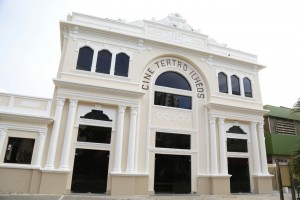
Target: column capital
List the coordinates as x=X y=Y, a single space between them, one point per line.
x=212 y=120
x=253 y=124
x=261 y=125
x=60 y=101
x=221 y=120
x=43 y=133
x=3 y=131
x=121 y=108
x=73 y=102
x=133 y=110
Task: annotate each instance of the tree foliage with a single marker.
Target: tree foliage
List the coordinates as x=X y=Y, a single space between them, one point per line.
x=295 y=165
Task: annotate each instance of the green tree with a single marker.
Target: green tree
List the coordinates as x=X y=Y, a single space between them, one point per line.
x=296 y=154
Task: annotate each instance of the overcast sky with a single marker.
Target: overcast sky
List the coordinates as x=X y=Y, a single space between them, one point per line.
x=30 y=44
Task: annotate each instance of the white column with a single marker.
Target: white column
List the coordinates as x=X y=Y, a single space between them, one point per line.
x=229 y=84
x=113 y=63
x=55 y=131
x=131 y=143
x=213 y=146
x=40 y=148
x=2 y=138
x=119 y=140
x=222 y=139
x=262 y=146
x=255 y=149
x=242 y=87
x=94 y=61
x=64 y=161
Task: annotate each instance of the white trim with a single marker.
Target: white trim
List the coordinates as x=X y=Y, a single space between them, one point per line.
x=90 y=145
x=238 y=155
x=22 y=128
x=172 y=151
x=92 y=122
x=129 y=174
x=18 y=166
x=174 y=130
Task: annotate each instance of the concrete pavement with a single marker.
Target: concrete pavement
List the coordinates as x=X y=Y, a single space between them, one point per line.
x=274 y=196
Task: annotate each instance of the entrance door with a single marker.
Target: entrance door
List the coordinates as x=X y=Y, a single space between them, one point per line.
x=172 y=174
x=90 y=171
x=240 y=179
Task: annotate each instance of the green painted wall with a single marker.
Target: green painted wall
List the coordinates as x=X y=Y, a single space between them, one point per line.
x=278 y=144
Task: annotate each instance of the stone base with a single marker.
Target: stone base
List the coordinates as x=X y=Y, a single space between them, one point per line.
x=53 y=183
x=263 y=184
x=127 y=185
x=216 y=185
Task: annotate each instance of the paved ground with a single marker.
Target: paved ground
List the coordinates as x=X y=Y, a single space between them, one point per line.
x=274 y=196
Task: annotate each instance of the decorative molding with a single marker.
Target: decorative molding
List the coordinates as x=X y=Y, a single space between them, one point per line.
x=121 y=109
x=173 y=151
x=22 y=128
x=60 y=101
x=92 y=122
x=174 y=130
x=90 y=145
x=173 y=116
x=73 y=103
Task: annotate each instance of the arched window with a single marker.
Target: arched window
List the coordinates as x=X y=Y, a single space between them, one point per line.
x=165 y=98
x=173 y=80
x=247 y=87
x=122 y=64
x=85 y=59
x=103 y=62
x=235 y=84
x=96 y=115
x=235 y=129
x=223 y=86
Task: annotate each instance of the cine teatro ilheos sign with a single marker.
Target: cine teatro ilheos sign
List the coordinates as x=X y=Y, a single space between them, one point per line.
x=173 y=63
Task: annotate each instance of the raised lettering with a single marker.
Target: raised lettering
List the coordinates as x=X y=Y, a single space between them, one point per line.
x=178 y=64
x=200 y=96
x=168 y=62
x=185 y=67
x=147 y=76
x=162 y=63
x=145 y=87
x=149 y=70
x=157 y=64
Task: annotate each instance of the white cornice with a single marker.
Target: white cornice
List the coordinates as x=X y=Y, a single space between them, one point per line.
x=178 y=37
x=25 y=117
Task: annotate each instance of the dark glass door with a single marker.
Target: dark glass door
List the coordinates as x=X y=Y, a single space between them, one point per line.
x=172 y=174
x=90 y=171
x=240 y=179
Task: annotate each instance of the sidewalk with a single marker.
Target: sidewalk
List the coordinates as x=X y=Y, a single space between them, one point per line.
x=274 y=196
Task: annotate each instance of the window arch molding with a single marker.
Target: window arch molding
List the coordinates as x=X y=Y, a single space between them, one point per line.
x=85 y=58
x=113 y=50
x=187 y=97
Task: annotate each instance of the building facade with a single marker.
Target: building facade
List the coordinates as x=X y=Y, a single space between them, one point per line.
x=282 y=129
x=145 y=107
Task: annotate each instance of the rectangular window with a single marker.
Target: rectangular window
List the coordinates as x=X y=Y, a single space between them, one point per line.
x=237 y=145
x=94 y=134
x=19 y=150
x=173 y=141
x=173 y=100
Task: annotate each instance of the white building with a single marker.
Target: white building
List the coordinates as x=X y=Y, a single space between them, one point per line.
x=139 y=108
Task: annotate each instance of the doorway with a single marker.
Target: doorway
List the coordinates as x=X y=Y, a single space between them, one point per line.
x=240 y=179
x=90 y=171
x=172 y=174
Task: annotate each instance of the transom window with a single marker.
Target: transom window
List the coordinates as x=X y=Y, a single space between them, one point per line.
x=173 y=140
x=176 y=81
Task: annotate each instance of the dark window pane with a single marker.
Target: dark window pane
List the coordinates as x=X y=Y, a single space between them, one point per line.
x=235 y=84
x=85 y=59
x=94 y=134
x=237 y=145
x=97 y=115
x=122 y=64
x=222 y=82
x=235 y=129
x=172 y=100
x=103 y=62
x=173 y=80
x=19 y=150
x=172 y=140
x=247 y=87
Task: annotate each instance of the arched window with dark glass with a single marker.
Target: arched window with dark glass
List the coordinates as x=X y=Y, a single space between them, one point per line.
x=122 y=64
x=247 y=87
x=103 y=62
x=173 y=80
x=85 y=59
x=223 y=86
x=235 y=85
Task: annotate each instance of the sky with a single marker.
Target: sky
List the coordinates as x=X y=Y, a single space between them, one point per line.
x=30 y=40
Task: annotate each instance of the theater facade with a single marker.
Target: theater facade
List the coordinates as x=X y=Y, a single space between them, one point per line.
x=144 y=107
